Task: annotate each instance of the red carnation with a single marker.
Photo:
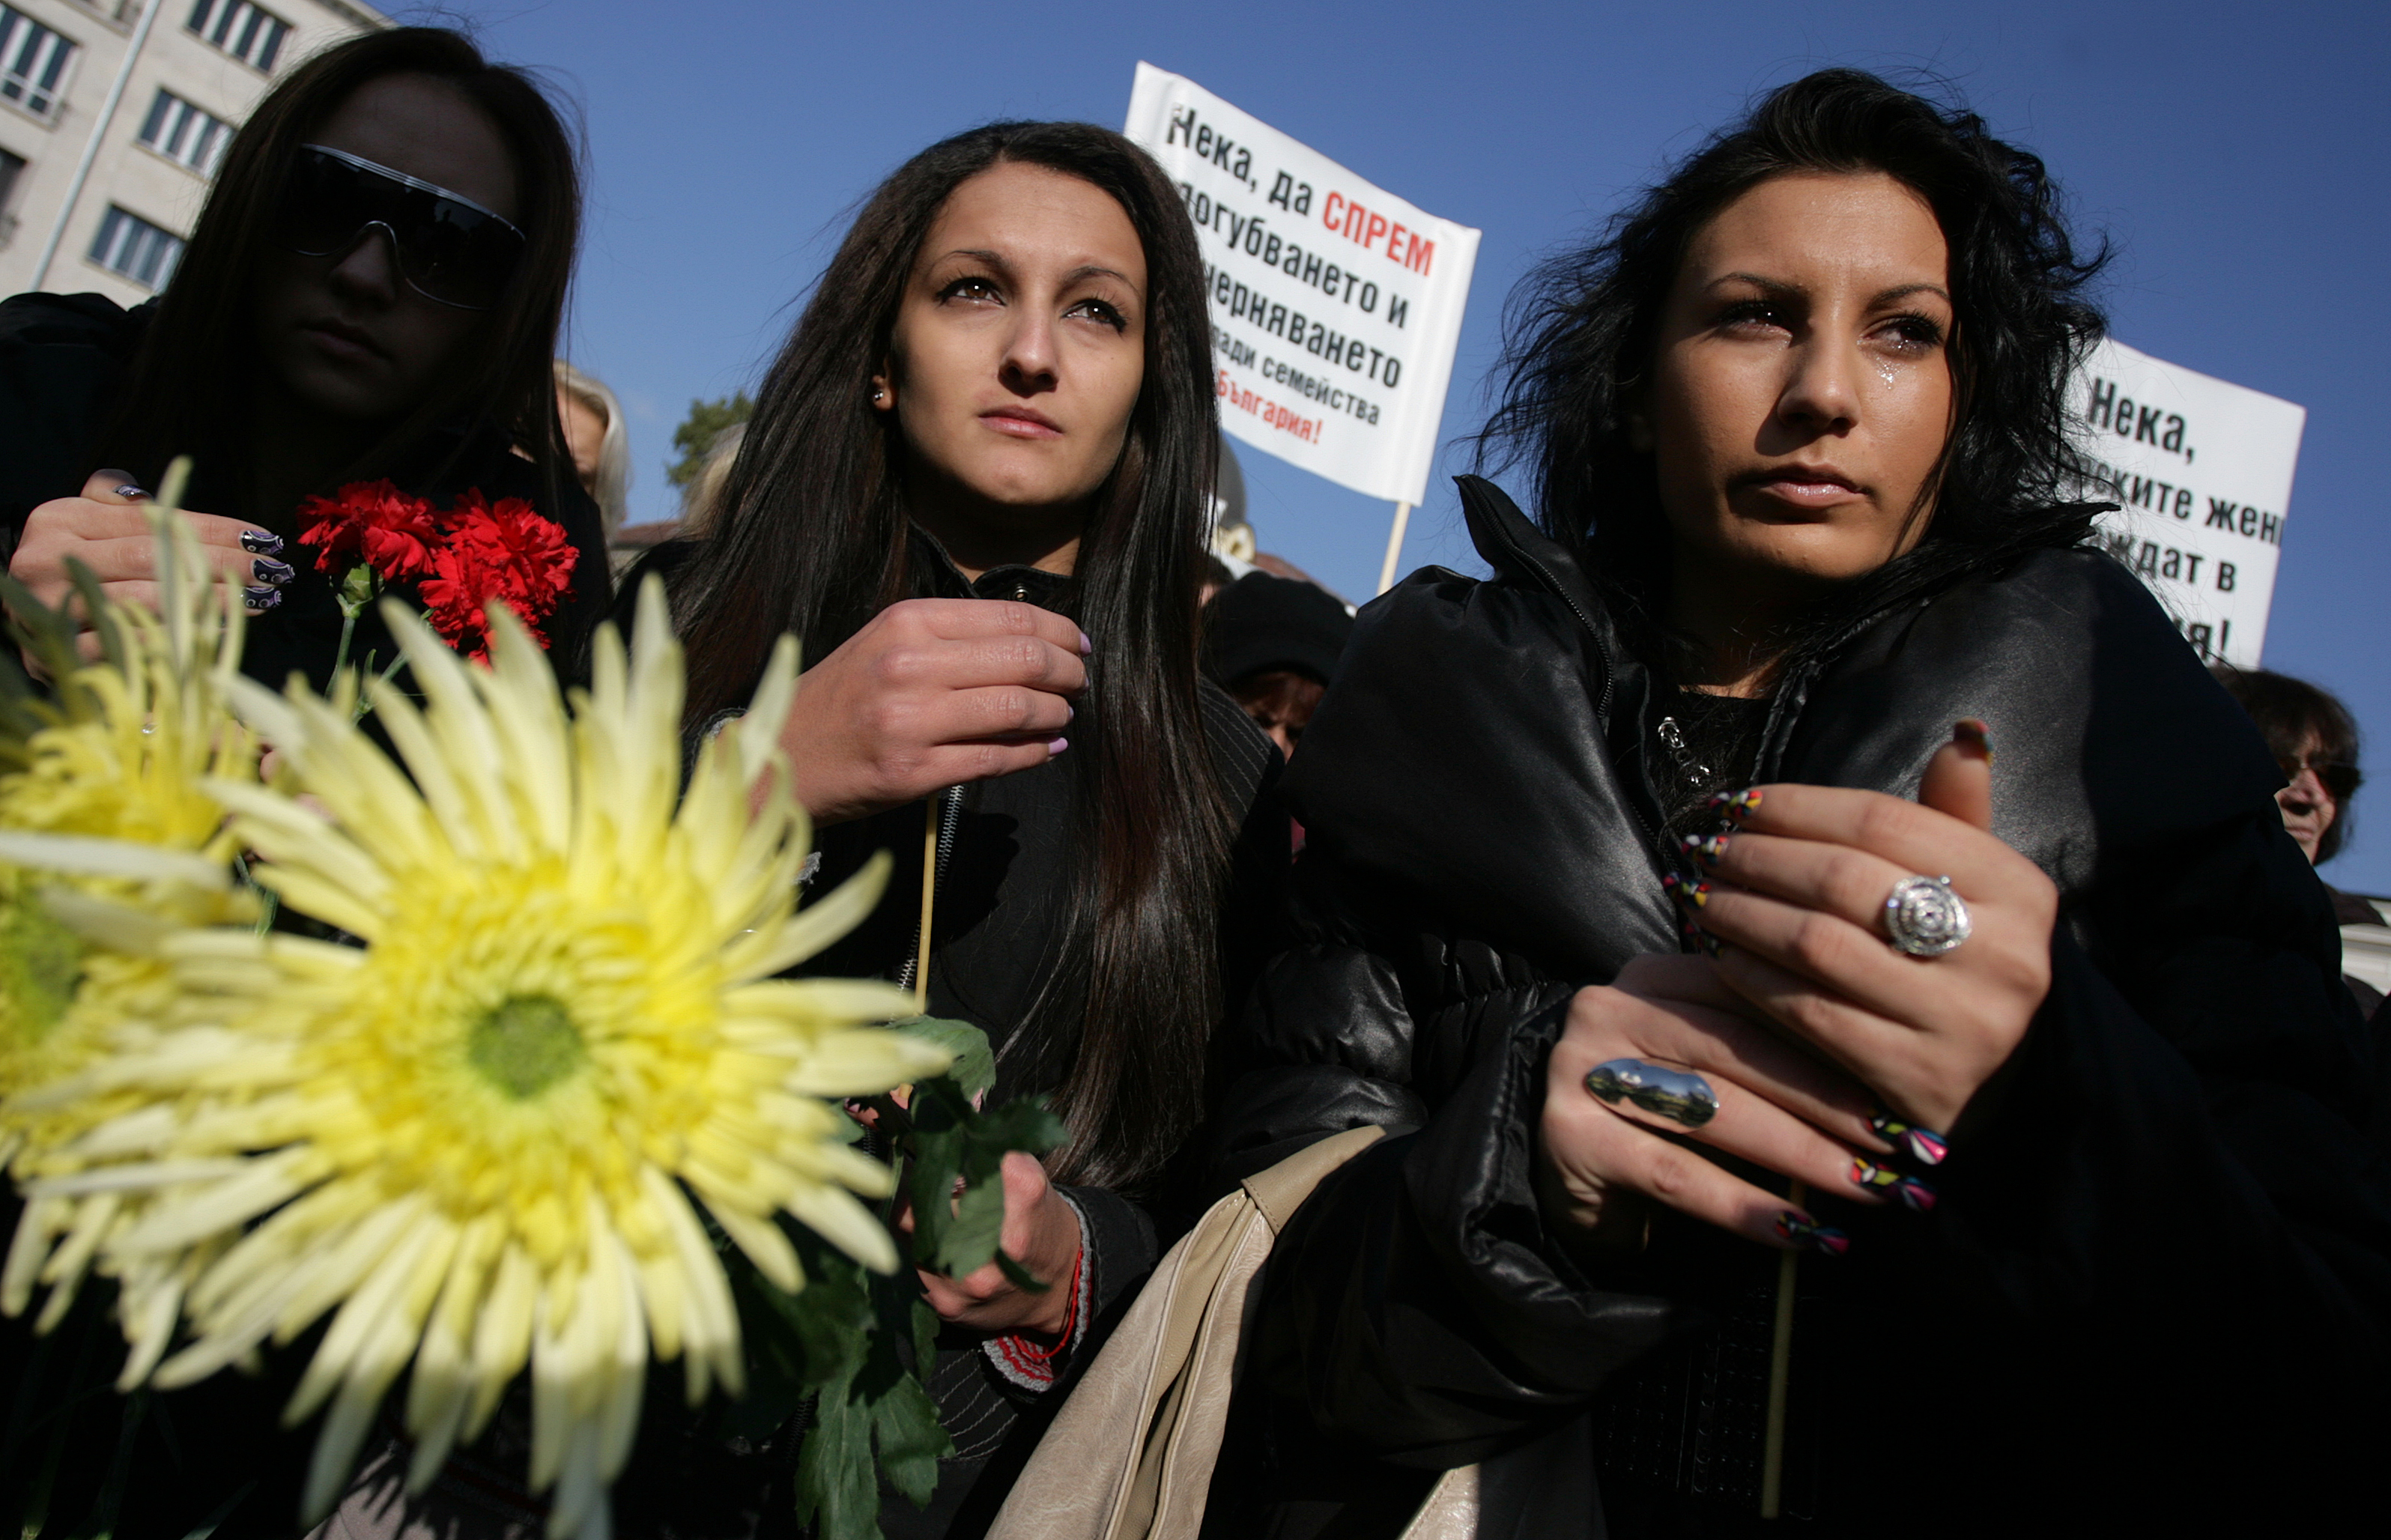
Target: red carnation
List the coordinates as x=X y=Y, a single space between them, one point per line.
x=507 y=552
x=373 y=522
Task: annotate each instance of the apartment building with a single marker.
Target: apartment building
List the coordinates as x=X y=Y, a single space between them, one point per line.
x=113 y=116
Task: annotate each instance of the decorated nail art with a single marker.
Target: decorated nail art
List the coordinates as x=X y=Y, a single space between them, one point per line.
x=1706 y=849
x=271 y=571
x=262 y=598
x=1924 y=1145
x=1972 y=731
x=131 y=493
x=1800 y=1230
x=1735 y=807
x=257 y=542
x=1907 y=1191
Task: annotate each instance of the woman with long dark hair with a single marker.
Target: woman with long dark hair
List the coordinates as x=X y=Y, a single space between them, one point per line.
x=373 y=291
x=976 y=486
x=1665 y=898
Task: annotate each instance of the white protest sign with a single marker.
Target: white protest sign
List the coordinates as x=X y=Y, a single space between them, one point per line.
x=2203 y=468
x=1335 y=305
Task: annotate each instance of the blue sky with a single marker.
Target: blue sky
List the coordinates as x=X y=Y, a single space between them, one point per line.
x=2236 y=155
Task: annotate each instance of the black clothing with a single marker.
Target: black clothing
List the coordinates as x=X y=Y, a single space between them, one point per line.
x=62 y=358
x=2158 y=1280
x=1261 y=623
x=213 y=1456
x=1003 y=895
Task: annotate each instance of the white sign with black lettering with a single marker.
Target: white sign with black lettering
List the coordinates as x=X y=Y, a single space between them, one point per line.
x=1335 y=305
x=2203 y=468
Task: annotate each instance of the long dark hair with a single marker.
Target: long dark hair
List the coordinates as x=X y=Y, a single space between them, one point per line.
x=1581 y=331
x=191 y=383
x=813 y=538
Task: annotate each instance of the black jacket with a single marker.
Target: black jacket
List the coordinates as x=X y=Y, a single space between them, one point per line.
x=62 y=360
x=2159 y=1278
x=1005 y=892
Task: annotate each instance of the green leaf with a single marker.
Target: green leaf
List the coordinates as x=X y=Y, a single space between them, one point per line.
x=955 y=1174
x=975 y=1065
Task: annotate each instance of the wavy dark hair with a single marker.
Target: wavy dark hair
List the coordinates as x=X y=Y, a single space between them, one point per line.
x=1582 y=329
x=814 y=538
x=190 y=385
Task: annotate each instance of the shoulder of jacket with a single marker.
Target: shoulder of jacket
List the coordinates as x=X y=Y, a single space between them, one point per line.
x=1240 y=750
x=69 y=320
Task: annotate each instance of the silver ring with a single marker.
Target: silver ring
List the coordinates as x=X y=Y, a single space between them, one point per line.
x=1679 y=1096
x=1924 y=918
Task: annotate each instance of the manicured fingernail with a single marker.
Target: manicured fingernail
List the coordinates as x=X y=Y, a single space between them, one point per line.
x=1907 y=1191
x=1923 y=1145
x=1086 y=646
x=1735 y=807
x=271 y=571
x=1057 y=747
x=262 y=598
x=1801 y=1230
x=1697 y=892
x=1970 y=733
x=1706 y=849
x=257 y=542
x=131 y=493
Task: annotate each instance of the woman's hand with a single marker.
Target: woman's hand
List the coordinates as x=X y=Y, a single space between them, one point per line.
x=1799 y=903
x=106 y=530
x=1677 y=1027
x=933 y=692
x=1041 y=1233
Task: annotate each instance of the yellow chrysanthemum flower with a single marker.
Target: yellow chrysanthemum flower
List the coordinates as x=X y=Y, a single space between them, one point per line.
x=109 y=838
x=476 y=1138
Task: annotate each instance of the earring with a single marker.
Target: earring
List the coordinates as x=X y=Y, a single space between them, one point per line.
x=878 y=396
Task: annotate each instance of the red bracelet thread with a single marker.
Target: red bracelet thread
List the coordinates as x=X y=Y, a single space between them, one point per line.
x=1070 y=1320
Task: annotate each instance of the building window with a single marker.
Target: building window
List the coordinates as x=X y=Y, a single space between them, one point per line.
x=33 y=60
x=181 y=132
x=140 y=251
x=11 y=166
x=250 y=35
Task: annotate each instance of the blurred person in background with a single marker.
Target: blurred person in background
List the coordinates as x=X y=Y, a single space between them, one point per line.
x=700 y=500
x=2315 y=743
x=1273 y=643
x=599 y=440
x=373 y=291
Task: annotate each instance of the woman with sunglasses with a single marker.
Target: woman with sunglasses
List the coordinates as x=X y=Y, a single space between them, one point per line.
x=373 y=291
x=1666 y=900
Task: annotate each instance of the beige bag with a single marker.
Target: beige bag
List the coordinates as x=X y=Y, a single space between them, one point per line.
x=1130 y=1456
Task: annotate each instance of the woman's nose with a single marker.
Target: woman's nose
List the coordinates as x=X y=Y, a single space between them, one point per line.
x=1822 y=389
x=1030 y=353
x=369 y=267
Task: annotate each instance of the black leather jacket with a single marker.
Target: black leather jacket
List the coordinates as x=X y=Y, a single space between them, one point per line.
x=2160 y=1274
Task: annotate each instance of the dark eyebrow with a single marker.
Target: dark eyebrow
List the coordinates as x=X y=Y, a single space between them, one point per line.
x=992 y=258
x=1074 y=276
x=1794 y=290
x=1091 y=270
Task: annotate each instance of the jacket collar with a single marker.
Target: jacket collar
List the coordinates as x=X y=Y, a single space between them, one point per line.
x=936 y=572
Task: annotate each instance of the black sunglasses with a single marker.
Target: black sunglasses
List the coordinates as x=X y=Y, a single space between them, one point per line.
x=449 y=248
x=2338 y=777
